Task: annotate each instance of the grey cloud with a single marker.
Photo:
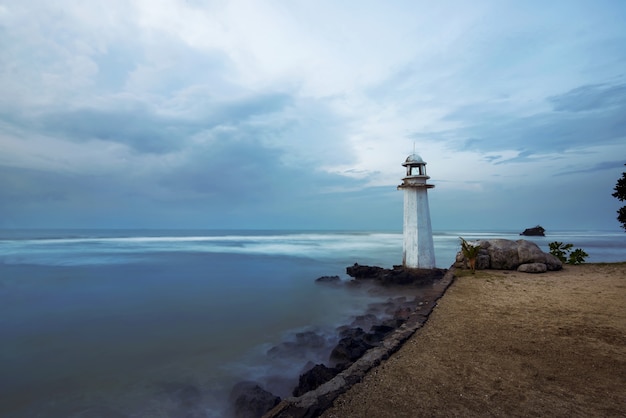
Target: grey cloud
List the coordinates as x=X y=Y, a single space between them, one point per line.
x=115 y=64
x=229 y=170
x=237 y=168
x=601 y=166
x=143 y=128
x=593 y=97
x=224 y=182
x=242 y=109
x=20 y=185
x=492 y=158
x=545 y=132
x=522 y=156
x=35 y=198
x=140 y=129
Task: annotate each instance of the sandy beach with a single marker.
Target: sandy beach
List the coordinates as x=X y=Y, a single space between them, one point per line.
x=511 y=344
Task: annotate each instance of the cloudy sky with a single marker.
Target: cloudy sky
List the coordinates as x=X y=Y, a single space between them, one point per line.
x=298 y=114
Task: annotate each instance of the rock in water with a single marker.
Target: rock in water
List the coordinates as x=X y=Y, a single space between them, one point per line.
x=537 y=231
x=350 y=347
x=396 y=276
x=328 y=279
x=249 y=400
x=313 y=378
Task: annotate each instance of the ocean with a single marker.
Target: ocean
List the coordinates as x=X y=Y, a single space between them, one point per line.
x=162 y=323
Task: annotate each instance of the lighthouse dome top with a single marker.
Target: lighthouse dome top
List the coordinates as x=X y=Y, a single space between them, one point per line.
x=413 y=159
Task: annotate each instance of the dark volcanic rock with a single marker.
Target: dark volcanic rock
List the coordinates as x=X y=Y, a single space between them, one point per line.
x=397 y=276
x=364 y=272
x=355 y=342
x=249 y=400
x=304 y=342
x=537 y=231
x=402 y=314
x=328 y=279
x=364 y=321
x=313 y=378
x=379 y=332
x=350 y=347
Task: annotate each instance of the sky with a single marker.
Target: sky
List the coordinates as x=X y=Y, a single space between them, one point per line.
x=268 y=114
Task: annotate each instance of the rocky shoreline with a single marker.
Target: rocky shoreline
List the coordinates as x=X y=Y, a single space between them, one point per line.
x=361 y=345
x=370 y=340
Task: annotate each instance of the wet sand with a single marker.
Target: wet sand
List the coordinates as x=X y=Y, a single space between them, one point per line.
x=512 y=345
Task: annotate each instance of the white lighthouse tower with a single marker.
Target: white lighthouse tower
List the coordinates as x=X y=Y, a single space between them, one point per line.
x=418 y=249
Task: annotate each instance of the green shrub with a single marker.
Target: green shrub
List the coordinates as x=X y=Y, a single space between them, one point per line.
x=562 y=252
x=470 y=252
x=577 y=256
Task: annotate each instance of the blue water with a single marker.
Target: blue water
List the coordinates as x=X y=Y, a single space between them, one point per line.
x=118 y=323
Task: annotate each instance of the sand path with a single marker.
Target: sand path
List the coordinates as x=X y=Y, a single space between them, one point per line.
x=509 y=344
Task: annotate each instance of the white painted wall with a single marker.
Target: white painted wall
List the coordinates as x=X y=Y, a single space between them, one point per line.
x=418 y=246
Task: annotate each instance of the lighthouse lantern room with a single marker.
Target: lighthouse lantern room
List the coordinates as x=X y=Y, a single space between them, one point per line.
x=418 y=249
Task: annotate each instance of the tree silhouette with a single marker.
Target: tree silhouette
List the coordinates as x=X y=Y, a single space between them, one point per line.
x=620 y=193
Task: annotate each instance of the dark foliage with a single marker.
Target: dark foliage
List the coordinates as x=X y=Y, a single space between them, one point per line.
x=620 y=194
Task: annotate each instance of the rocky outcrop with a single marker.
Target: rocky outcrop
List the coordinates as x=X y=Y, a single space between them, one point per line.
x=350 y=347
x=537 y=231
x=314 y=377
x=396 y=276
x=504 y=254
x=249 y=400
x=354 y=342
x=385 y=339
x=328 y=279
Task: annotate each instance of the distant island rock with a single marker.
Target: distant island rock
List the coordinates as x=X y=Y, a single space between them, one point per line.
x=537 y=231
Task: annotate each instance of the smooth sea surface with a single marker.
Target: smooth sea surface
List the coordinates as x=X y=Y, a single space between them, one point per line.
x=162 y=323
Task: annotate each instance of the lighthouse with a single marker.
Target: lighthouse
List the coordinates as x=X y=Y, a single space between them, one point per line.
x=418 y=250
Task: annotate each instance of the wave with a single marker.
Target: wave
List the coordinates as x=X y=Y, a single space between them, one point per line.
x=382 y=248
x=89 y=250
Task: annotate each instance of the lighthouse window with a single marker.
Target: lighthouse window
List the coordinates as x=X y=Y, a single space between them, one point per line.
x=416 y=171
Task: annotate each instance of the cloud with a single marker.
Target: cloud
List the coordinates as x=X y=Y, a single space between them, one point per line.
x=145 y=130
x=601 y=166
x=599 y=97
x=487 y=130
x=155 y=113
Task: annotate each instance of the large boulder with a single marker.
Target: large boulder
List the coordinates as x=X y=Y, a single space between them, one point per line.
x=504 y=254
